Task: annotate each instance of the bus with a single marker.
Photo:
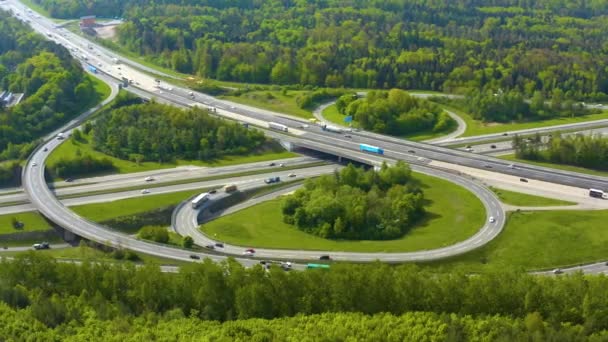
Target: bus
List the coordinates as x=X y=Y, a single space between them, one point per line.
x=596 y=193
x=369 y=148
x=323 y=266
x=200 y=199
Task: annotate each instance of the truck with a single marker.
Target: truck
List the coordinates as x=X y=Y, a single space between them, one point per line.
x=272 y=180
x=115 y=60
x=92 y=68
x=277 y=126
x=60 y=136
x=333 y=129
x=230 y=188
x=370 y=148
x=597 y=193
x=84 y=57
x=200 y=199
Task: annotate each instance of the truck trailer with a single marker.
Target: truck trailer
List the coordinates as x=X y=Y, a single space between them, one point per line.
x=278 y=126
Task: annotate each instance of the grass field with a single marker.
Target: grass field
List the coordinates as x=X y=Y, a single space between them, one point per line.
x=32 y=222
x=101 y=88
x=273 y=100
x=556 y=166
x=70 y=148
x=105 y=211
x=525 y=200
x=453 y=215
x=331 y=114
x=539 y=240
x=476 y=127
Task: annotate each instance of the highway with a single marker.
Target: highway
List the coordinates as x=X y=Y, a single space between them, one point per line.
x=299 y=128
x=300 y=134
x=186 y=223
x=257 y=179
x=162 y=176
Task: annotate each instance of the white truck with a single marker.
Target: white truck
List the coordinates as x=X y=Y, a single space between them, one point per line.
x=333 y=129
x=278 y=126
x=115 y=60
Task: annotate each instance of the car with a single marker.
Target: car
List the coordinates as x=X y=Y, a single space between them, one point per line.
x=348 y=136
x=411 y=151
x=232 y=107
x=281 y=165
x=210 y=246
x=468 y=149
x=505 y=134
x=34 y=164
x=45 y=149
x=250 y=250
x=248 y=253
x=69 y=180
x=292 y=175
x=492 y=146
x=324 y=257
x=492 y=219
x=511 y=166
x=468 y=146
x=219 y=245
x=149 y=179
x=214 y=191
x=99 y=65
x=272 y=164
x=145 y=191
x=488 y=166
x=264 y=262
x=42 y=245
x=286 y=265
x=194 y=256
x=558 y=271
x=523 y=180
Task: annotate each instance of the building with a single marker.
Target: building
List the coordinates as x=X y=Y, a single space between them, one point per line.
x=9 y=99
x=87 y=21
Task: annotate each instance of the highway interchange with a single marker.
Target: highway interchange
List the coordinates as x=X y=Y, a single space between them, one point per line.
x=421 y=156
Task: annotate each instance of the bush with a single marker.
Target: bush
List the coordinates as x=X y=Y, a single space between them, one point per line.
x=156 y=234
x=188 y=242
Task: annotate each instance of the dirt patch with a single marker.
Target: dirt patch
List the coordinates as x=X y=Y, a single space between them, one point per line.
x=106 y=31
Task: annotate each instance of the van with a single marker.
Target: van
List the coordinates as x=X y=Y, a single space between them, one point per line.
x=230 y=188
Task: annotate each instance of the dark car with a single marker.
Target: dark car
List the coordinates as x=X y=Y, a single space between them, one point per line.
x=492 y=146
x=487 y=166
x=194 y=256
x=272 y=164
x=505 y=134
x=210 y=246
x=219 y=244
x=523 y=180
x=324 y=257
x=411 y=151
x=213 y=191
x=45 y=149
x=69 y=180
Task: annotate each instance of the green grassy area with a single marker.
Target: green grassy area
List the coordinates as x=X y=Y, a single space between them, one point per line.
x=276 y=101
x=331 y=114
x=105 y=211
x=540 y=240
x=88 y=253
x=32 y=222
x=28 y=242
x=453 y=215
x=70 y=148
x=476 y=127
x=521 y=199
x=555 y=166
x=36 y=8
x=101 y=88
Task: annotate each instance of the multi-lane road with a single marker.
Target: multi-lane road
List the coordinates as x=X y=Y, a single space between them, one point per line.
x=301 y=134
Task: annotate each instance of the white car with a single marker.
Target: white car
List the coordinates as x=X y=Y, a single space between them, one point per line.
x=558 y=271
x=492 y=220
x=34 y=164
x=292 y=175
x=149 y=179
x=145 y=191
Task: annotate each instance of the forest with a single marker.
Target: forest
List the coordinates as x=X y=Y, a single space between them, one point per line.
x=394 y=112
x=157 y=132
x=450 y=46
x=356 y=204
x=55 y=86
x=590 y=151
x=40 y=296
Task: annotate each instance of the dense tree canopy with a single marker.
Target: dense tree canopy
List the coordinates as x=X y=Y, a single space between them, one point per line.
x=357 y=204
x=157 y=132
x=54 y=85
x=410 y=44
x=94 y=297
x=589 y=151
x=394 y=112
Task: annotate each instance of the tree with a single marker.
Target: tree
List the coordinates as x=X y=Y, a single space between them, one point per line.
x=188 y=242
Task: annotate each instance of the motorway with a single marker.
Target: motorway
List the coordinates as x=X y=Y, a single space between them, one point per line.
x=173 y=175
x=119 y=195
x=309 y=136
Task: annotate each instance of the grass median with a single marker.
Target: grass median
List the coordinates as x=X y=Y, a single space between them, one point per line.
x=525 y=200
x=273 y=100
x=454 y=214
x=578 y=169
